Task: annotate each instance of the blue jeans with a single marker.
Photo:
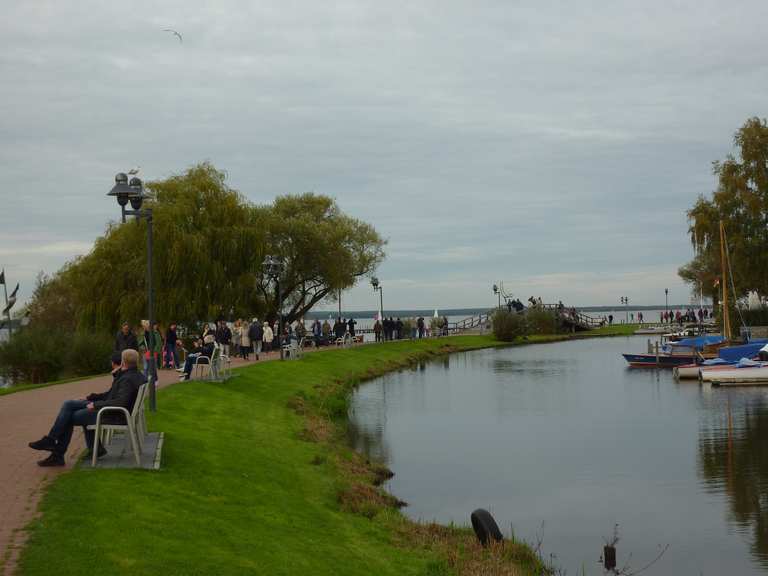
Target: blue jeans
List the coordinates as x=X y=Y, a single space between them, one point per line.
x=189 y=363
x=72 y=413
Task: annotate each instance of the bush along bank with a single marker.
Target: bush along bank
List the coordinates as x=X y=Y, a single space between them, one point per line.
x=258 y=477
x=36 y=354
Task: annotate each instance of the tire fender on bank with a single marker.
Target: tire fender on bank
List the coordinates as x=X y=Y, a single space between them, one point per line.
x=485 y=527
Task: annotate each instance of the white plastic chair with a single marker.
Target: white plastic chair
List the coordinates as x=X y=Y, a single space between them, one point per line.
x=221 y=364
x=202 y=363
x=134 y=425
x=224 y=367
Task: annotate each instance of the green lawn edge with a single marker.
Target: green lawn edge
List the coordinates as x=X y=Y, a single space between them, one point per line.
x=255 y=481
x=24 y=387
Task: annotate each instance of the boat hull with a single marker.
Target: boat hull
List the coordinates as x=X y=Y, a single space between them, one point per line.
x=757 y=376
x=660 y=361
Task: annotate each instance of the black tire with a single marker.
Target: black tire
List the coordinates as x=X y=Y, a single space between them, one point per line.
x=485 y=527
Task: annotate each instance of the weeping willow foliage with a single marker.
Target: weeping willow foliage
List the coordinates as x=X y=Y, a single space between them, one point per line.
x=741 y=202
x=209 y=245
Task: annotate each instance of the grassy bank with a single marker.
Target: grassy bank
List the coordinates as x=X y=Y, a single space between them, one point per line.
x=257 y=479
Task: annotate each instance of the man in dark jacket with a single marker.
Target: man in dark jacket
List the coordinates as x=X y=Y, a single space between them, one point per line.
x=126 y=339
x=224 y=336
x=126 y=380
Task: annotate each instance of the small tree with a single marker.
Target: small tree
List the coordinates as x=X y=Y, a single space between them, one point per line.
x=509 y=325
x=542 y=321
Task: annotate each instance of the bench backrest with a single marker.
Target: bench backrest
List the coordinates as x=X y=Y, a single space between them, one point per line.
x=139 y=400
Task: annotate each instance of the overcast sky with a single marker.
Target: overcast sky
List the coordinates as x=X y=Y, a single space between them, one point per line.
x=554 y=146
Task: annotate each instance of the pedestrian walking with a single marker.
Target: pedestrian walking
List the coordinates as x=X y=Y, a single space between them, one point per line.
x=256 y=333
x=268 y=337
x=245 y=340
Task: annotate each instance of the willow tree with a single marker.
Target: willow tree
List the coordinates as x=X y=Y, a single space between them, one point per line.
x=741 y=202
x=324 y=251
x=209 y=247
x=205 y=256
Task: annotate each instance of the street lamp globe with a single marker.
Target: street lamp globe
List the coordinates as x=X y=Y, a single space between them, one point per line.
x=495 y=289
x=121 y=190
x=136 y=194
x=375 y=283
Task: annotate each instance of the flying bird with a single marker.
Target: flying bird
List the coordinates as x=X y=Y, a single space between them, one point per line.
x=134 y=170
x=174 y=33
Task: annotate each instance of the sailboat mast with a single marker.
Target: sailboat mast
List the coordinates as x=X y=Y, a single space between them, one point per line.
x=726 y=317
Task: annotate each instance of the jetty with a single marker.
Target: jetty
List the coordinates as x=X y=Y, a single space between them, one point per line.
x=571 y=319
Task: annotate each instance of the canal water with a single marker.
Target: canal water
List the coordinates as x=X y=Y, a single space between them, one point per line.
x=563 y=444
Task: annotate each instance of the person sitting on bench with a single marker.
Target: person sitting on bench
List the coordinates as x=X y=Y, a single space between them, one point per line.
x=205 y=350
x=126 y=380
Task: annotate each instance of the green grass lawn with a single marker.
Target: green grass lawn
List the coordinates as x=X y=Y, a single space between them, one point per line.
x=256 y=479
x=241 y=490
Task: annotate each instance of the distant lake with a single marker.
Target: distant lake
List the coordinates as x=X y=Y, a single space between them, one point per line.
x=563 y=441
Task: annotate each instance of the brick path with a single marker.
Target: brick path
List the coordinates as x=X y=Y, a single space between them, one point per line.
x=26 y=416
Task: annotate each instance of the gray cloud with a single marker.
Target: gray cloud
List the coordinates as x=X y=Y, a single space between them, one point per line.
x=553 y=145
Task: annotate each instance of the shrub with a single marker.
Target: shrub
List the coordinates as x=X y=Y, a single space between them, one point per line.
x=542 y=321
x=757 y=317
x=408 y=325
x=89 y=353
x=34 y=355
x=509 y=325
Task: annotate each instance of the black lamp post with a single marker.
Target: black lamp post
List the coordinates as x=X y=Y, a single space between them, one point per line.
x=133 y=192
x=377 y=288
x=496 y=291
x=273 y=268
x=666 y=302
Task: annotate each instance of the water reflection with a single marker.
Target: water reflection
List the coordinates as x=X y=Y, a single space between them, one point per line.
x=733 y=459
x=548 y=367
x=367 y=418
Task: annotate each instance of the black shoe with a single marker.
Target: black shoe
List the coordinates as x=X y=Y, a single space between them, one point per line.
x=45 y=443
x=102 y=452
x=52 y=460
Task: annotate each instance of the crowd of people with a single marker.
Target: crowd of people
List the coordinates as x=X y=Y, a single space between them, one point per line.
x=689 y=316
x=241 y=338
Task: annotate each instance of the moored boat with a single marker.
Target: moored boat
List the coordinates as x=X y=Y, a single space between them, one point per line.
x=686 y=351
x=727 y=357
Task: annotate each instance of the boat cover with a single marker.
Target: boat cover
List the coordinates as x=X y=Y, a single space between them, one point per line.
x=698 y=342
x=747 y=363
x=715 y=362
x=735 y=353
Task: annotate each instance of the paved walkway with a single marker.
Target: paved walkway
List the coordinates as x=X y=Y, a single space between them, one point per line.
x=26 y=416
